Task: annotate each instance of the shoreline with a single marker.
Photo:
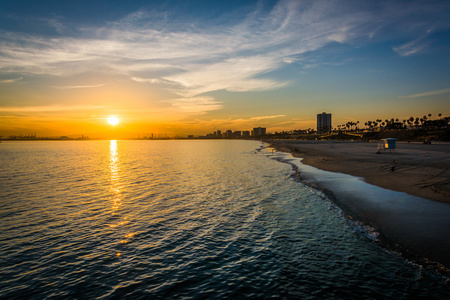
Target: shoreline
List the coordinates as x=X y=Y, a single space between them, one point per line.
x=421 y=170
x=415 y=226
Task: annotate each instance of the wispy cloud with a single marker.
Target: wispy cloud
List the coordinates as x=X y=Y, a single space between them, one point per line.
x=416 y=46
x=68 y=87
x=426 y=94
x=11 y=80
x=266 y=117
x=234 y=74
x=146 y=80
x=196 y=105
x=56 y=24
x=52 y=108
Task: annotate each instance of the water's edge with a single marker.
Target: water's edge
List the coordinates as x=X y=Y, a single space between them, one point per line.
x=362 y=224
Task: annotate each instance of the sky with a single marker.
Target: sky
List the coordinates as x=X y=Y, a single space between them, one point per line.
x=194 y=67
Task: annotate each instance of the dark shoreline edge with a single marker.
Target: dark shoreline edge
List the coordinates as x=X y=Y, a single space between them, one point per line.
x=428 y=267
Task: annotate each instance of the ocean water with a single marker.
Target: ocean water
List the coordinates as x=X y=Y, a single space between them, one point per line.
x=183 y=220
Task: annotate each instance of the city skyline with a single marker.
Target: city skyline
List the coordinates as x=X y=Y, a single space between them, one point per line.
x=189 y=67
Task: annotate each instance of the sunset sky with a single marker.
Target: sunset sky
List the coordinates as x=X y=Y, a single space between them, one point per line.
x=193 y=67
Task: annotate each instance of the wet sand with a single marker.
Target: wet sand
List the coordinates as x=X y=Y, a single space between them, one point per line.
x=421 y=170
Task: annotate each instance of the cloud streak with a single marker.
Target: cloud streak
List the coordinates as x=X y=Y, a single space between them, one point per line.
x=416 y=46
x=426 y=94
x=196 y=105
x=68 y=87
x=266 y=117
x=52 y=108
x=11 y=80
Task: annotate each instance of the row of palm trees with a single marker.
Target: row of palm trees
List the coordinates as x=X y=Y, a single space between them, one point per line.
x=378 y=124
x=425 y=122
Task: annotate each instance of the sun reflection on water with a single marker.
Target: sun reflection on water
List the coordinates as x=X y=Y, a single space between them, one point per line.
x=115 y=189
x=114 y=171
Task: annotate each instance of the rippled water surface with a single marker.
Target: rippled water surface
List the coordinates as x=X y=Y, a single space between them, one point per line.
x=181 y=219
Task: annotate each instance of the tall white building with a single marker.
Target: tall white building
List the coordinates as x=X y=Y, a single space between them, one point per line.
x=323 y=123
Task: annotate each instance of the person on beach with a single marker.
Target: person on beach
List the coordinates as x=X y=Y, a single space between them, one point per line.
x=392 y=166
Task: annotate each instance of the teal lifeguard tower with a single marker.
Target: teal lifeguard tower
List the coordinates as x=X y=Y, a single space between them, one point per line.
x=387 y=144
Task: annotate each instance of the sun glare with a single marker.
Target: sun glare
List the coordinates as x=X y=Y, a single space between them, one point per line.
x=113 y=120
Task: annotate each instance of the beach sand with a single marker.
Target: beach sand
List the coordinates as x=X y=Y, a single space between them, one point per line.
x=421 y=170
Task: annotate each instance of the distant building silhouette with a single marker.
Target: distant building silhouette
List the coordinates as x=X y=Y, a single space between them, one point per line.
x=229 y=134
x=323 y=123
x=259 y=131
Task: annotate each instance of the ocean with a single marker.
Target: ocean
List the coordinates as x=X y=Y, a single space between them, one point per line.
x=196 y=219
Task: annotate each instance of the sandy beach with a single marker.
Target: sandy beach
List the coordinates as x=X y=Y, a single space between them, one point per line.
x=421 y=170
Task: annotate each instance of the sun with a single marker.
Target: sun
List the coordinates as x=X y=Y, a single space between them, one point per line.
x=113 y=120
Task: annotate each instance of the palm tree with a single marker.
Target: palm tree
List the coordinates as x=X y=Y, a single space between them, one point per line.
x=411 y=121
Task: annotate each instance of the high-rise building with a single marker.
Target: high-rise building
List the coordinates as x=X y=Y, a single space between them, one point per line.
x=323 y=123
x=259 y=131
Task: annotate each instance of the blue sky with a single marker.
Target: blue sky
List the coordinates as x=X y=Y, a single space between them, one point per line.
x=183 y=67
